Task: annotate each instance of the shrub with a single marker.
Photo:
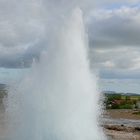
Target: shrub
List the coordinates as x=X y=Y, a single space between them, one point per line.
x=126 y=106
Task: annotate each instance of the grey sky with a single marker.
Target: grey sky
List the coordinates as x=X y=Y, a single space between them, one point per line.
x=114 y=39
x=113 y=29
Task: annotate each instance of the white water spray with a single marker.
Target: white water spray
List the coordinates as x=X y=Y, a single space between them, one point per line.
x=59 y=100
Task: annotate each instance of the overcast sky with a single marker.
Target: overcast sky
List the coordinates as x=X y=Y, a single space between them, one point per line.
x=112 y=26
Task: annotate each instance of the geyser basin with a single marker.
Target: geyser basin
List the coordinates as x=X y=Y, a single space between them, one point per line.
x=58 y=100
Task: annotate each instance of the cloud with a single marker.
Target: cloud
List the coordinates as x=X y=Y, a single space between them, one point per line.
x=116 y=62
x=22 y=31
x=113 y=29
x=114 y=38
x=20 y=23
x=26 y=26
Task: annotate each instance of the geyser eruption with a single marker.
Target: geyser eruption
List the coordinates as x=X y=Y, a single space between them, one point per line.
x=58 y=100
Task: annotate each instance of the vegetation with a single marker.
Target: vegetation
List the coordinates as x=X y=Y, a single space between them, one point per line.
x=3 y=93
x=137 y=113
x=121 y=101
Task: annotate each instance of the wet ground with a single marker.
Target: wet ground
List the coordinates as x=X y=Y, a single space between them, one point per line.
x=125 y=122
x=115 y=119
x=122 y=124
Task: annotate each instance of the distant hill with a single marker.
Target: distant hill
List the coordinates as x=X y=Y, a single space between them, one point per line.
x=3 y=91
x=109 y=92
x=121 y=93
x=2 y=86
x=131 y=94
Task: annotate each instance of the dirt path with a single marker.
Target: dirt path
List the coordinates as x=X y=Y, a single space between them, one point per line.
x=123 y=114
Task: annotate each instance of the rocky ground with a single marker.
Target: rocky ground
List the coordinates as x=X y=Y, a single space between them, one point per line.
x=123 y=130
x=122 y=135
x=116 y=129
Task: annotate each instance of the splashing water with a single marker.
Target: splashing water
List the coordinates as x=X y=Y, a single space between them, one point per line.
x=58 y=100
